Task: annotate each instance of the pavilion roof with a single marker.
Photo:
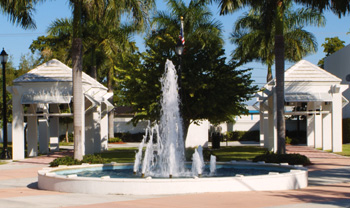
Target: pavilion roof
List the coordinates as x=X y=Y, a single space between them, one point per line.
x=55 y=71
x=304 y=71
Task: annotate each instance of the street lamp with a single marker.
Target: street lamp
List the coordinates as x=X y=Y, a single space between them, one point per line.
x=5 y=153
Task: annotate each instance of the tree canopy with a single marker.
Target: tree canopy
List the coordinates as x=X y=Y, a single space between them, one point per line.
x=255 y=40
x=330 y=46
x=211 y=88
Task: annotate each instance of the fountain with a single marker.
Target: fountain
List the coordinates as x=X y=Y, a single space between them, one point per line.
x=163 y=169
x=168 y=158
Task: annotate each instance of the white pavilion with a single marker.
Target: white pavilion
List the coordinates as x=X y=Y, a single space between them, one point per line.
x=42 y=96
x=319 y=93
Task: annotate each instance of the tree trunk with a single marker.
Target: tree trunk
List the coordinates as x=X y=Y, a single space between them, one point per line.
x=93 y=69
x=279 y=64
x=67 y=136
x=111 y=121
x=78 y=97
x=111 y=113
x=269 y=73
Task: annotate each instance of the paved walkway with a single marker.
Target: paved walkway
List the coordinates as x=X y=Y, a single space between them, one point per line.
x=329 y=180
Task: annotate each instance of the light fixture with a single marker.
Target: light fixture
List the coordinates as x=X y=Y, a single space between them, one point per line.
x=3 y=56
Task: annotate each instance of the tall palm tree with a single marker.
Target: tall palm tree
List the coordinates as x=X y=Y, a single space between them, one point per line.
x=274 y=13
x=277 y=8
x=20 y=10
x=254 y=37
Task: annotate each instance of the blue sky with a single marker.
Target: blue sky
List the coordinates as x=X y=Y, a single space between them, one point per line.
x=16 y=41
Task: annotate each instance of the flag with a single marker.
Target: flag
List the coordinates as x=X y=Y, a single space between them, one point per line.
x=181 y=36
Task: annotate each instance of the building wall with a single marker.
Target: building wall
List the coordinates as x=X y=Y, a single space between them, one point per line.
x=339 y=64
x=123 y=125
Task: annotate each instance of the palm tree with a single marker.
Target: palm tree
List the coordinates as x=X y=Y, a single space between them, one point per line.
x=275 y=13
x=20 y=10
x=339 y=7
x=255 y=42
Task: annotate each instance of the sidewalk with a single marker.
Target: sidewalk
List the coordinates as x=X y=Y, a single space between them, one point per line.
x=329 y=186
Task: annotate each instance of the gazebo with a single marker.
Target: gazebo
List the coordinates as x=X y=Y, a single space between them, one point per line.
x=42 y=96
x=312 y=92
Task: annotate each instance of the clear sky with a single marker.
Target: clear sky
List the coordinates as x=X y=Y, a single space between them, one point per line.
x=16 y=41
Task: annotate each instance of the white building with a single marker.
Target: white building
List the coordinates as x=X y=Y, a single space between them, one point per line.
x=339 y=64
x=320 y=92
x=42 y=96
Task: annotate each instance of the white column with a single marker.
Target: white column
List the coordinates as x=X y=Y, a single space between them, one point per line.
x=318 y=131
x=44 y=136
x=104 y=129
x=17 y=127
x=337 y=137
x=89 y=133
x=327 y=130
x=32 y=132
x=54 y=129
x=96 y=119
x=261 y=127
x=310 y=130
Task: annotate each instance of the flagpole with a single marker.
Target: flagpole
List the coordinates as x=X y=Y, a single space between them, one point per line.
x=179 y=51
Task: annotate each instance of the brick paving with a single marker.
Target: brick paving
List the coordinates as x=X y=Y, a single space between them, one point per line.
x=18 y=189
x=311 y=153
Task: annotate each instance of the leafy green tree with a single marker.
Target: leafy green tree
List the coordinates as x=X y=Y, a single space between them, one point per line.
x=254 y=36
x=211 y=89
x=57 y=44
x=331 y=46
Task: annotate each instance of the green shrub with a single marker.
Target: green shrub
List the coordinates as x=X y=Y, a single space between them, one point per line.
x=115 y=139
x=288 y=140
x=67 y=160
x=292 y=159
x=93 y=159
x=346 y=130
x=242 y=136
x=127 y=137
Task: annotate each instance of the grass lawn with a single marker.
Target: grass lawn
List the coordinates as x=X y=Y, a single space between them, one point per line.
x=66 y=143
x=346 y=150
x=236 y=153
x=126 y=155
x=120 y=155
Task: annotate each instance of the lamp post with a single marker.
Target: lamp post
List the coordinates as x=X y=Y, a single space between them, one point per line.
x=3 y=59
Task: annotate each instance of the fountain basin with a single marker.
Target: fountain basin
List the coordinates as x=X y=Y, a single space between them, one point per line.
x=296 y=178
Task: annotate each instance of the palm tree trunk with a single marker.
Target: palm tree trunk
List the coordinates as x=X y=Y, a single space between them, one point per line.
x=111 y=113
x=279 y=64
x=93 y=69
x=78 y=97
x=269 y=73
